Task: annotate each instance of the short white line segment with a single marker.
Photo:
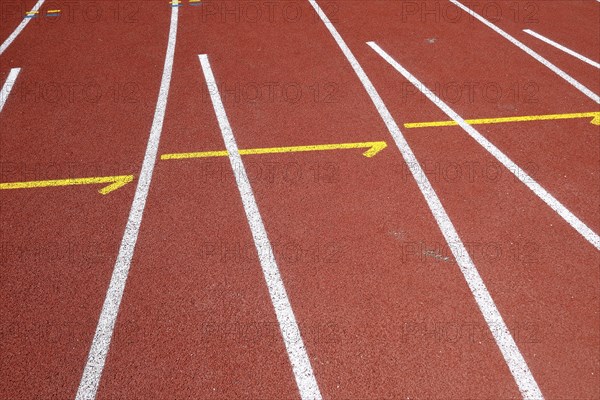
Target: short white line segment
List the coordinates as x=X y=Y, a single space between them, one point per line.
x=532 y=53
x=563 y=48
x=535 y=187
x=515 y=361
x=8 y=85
x=19 y=28
x=92 y=373
x=303 y=373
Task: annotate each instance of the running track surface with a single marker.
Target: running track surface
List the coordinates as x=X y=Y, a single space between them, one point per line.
x=382 y=304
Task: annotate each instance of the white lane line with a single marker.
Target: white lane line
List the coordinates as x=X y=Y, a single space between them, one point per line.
x=106 y=323
x=515 y=361
x=8 y=85
x=19 y=28
x=535 y=187
x=563 y=48
x=532 y=53
x=303 y=373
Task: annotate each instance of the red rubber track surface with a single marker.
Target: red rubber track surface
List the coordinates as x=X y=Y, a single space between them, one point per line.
x=70 y=114
x=384 y=310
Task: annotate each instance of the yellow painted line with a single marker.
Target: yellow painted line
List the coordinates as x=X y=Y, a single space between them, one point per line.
x=53 y=11
x=116 y=182
x=373 y=149
x=594 y=115
x=31 y=12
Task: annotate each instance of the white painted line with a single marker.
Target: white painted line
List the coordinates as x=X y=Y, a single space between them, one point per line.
x=106 y=323
x=19 y=28
x=563 y=48
x=8 y=85
x=515 y=361
x=303 y=373
x=532 y=53
x=535 y=187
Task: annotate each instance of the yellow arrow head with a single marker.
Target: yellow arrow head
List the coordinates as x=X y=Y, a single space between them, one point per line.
x=376 y=147
x=118 y=182
x=596 y=120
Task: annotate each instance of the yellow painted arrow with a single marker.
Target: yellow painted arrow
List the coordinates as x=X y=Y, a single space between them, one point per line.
x=116 y=182
x=594 y=115
x=373 y=149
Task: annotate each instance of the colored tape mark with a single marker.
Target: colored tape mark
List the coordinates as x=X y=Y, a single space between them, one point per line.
x=373 y=149
x=116 y=182
x=594 y=115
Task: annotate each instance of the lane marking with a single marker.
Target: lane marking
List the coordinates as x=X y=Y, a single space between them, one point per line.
x=532 y=53
x=180 y=3
x=535 y=187
x=373 y=149
x=563 y=48
x=594 y=115
x=19 y=28
x=515 y=361
x=116 y=182
x=88 y=386
x=303 y=373
x=8 y=85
